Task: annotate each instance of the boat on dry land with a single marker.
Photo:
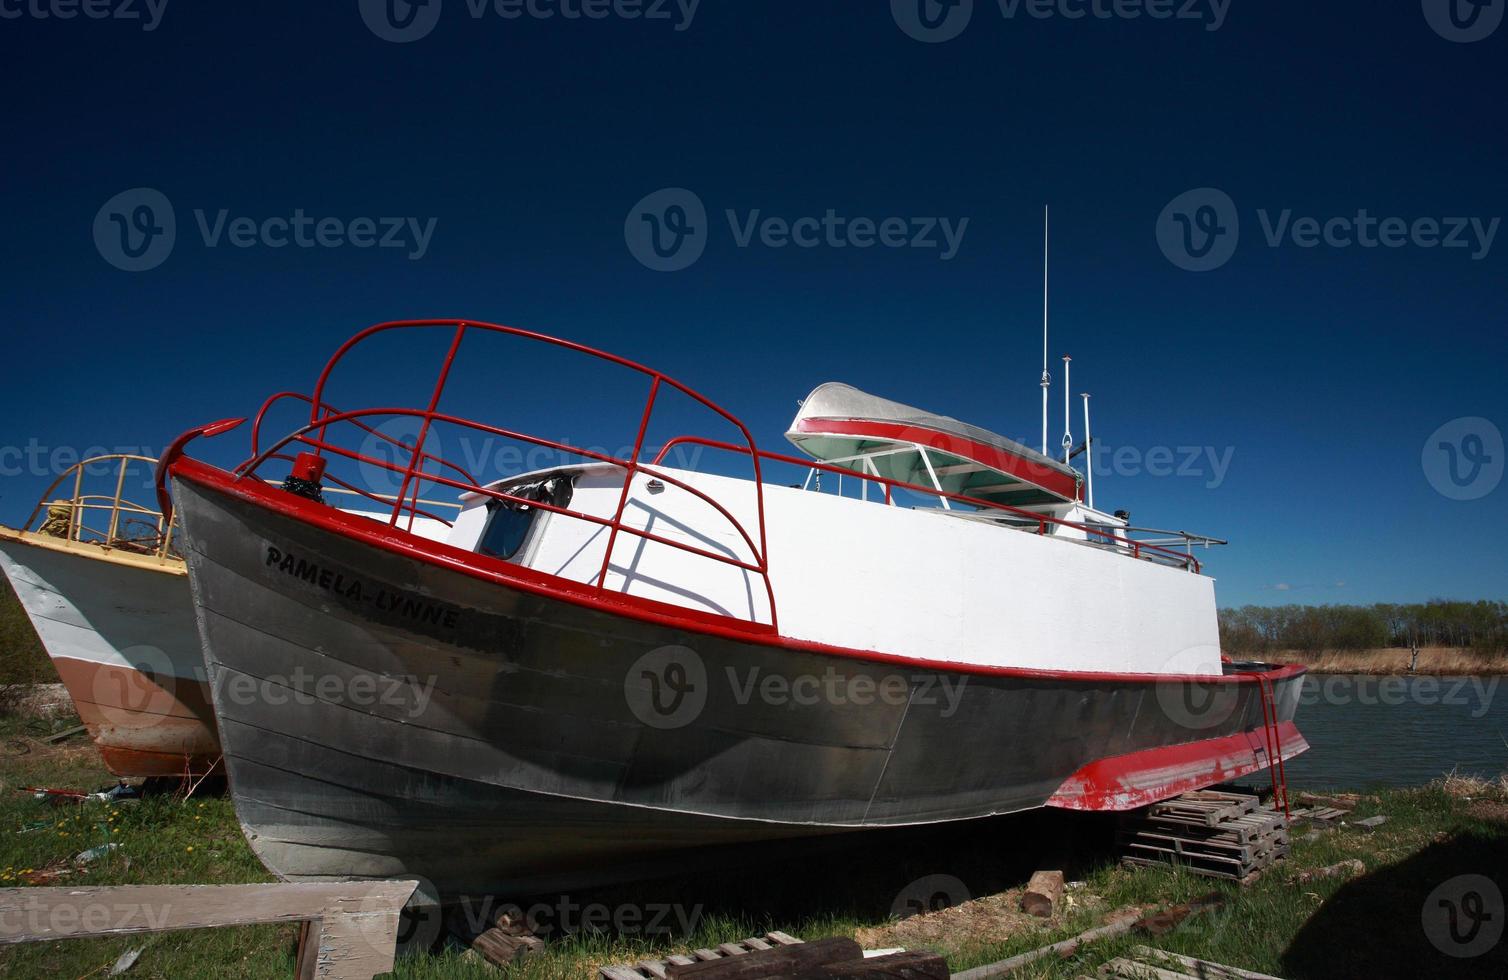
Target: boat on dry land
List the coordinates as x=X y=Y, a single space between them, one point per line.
x=101 y=580
x=603 y=662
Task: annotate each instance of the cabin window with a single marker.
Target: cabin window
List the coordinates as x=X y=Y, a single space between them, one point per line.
x=510 y=521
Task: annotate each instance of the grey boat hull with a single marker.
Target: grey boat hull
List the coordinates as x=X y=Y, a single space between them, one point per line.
x=384 y=714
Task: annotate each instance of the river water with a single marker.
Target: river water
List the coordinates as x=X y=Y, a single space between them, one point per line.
x=1399 y=731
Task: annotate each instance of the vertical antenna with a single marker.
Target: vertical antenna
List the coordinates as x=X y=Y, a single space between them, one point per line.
x=1046 y=378
x=1067 y=419
x=1088 y=450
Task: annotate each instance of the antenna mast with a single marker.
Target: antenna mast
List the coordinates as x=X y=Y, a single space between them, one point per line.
x=1046 y=378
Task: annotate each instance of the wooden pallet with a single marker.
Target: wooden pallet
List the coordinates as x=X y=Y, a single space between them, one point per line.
x=1203 y=808
x=659 y=969
x=1220 y=835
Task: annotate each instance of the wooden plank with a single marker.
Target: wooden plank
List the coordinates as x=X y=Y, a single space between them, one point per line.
x=619 y=973
x=783 y=961
x=905 y=965
x=1198 y=967
x=352 y=931
x=1116 y=927
x=781 y=938
x=654 y=968
x=1121 y=968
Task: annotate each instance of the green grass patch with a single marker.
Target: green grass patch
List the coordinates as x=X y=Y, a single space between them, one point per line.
x=22 y=659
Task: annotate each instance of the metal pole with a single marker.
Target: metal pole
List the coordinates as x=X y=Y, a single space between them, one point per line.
x=1046 y=378
x=1067 y=425
x=1088 y=450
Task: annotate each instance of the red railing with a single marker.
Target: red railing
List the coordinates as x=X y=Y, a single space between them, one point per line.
x=1148 y=552
x=413 y=474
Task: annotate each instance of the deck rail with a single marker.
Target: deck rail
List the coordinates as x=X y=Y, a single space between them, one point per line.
x=107 y=518
x=415 y=466
x=1138 y=549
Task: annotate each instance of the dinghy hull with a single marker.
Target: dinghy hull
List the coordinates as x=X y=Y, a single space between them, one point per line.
x=120 y=630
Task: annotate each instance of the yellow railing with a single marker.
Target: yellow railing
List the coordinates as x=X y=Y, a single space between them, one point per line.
x=104 y=518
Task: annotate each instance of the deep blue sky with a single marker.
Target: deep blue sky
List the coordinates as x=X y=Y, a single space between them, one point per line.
x=1321 y=371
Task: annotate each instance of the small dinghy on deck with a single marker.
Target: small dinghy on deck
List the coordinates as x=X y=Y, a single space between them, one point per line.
x=609 y=661
x=875 y=436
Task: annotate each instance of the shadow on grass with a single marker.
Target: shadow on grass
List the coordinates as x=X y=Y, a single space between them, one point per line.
x=1397 y=921
x=841 y=880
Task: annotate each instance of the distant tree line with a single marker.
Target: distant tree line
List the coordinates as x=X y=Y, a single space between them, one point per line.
x=1481 y=626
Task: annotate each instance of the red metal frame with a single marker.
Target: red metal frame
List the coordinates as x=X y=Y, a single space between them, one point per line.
x=1158 y=553
x=322 y=417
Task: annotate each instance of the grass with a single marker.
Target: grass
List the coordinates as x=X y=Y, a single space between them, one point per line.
x=1367 y=926
x=22 y=659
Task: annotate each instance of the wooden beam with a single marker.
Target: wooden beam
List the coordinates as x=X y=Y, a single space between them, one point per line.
x=352 y=931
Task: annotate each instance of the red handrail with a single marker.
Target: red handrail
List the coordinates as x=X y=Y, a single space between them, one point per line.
x=413 y=474
x=1042 y=520
x=256 y=431
x=461 y=326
